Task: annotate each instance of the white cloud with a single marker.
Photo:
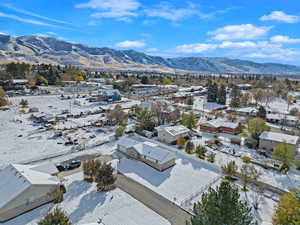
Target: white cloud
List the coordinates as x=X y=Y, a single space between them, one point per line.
x=130 y=44
x=281 y=17
x=284 y=39
x=249 y=49
x=196 y=48
x=152 y=50
x=239 y=32
x=35 y=15
x=117 y=9
x=51 y=33
x=30 y=21
x=243 y=44
x=3 y=33
x=167 y=11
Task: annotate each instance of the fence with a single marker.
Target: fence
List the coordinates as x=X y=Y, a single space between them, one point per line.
x=187 y=203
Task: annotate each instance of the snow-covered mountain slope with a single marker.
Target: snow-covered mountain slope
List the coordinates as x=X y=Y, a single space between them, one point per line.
x=36 y=49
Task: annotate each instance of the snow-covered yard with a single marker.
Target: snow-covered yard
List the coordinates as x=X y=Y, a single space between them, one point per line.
x=179 y=183
x=21 y=140
x=84 y=204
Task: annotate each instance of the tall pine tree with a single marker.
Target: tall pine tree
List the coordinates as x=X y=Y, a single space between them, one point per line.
x=212 y=92
x=235 y=96
x=222 y=207
x=222 y=95
x=262 y=113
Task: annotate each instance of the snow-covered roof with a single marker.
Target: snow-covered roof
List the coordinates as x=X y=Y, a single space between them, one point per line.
x=19 y=81
x=147 y=148
x=109 y=92
x=276 y=116
x=279 y=137
x=176 y=130
x=244 y=85
x=211 y=106
x=221 y=123
x=246 y=109
x=16 y=178
x=154 y=151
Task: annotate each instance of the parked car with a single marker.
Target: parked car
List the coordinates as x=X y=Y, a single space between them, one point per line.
x=69 y=165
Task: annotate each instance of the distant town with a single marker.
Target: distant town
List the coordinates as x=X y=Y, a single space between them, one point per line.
x=88 y=147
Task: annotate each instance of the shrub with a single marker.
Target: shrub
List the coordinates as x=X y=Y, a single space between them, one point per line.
x=58 y=195
x=24 y=103
x=56 y=217
x=180 y=142
x=247 y=159
x=211 y=157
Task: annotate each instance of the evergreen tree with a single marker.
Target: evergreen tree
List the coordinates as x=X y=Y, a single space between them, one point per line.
x=189 y=120
x=56 y=217
x=235 y=96
x=222 y=95
x=105 y=176
x=222 y=206
x=24 y=103
x=189 y=148
x=262 y=113
x=212 y=92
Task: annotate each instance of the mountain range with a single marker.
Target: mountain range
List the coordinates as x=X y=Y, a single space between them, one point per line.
x=37 y=49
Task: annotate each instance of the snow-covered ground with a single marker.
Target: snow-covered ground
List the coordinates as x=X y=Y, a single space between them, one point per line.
x=21 y=140
x=33 y=142
x=84 y=205
x=272 y=177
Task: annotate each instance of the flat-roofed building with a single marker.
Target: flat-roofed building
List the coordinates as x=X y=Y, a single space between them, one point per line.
x=170 y=134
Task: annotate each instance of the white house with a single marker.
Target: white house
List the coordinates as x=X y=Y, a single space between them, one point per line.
x=25 y=187
x=147 y=151
x=170 y=134
x=268 y=140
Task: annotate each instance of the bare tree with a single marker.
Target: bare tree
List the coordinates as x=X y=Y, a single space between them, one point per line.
x=268 y=96
x=117 y=116
x=289 y=101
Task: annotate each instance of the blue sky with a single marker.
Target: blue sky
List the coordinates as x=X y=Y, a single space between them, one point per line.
x=259 y=30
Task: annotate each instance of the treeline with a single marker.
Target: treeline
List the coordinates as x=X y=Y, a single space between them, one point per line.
x=42 y=73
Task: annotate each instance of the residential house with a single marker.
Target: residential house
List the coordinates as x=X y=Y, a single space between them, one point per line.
x=153 y=154
x=25 y=187
x=220 y=126
x=245 y=87
x=283 y=119
x=109 y=95
x=170 y=134
x=246 y=111
x=269 y=140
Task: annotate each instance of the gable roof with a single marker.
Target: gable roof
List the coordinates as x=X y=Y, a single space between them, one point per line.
x=279 y=137
x=16 y=178
x=147 y=148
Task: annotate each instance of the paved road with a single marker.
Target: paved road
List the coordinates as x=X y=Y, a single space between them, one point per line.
x=174 y=214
